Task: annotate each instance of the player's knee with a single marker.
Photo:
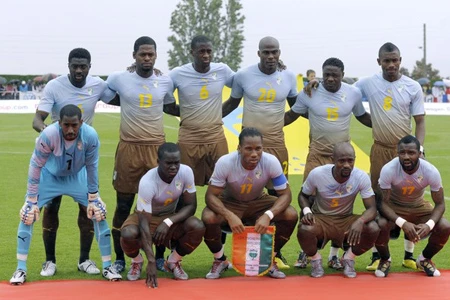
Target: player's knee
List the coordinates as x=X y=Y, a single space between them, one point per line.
x=383 y=224
x=443 y=226
x=372 y=228
x=291 y=214
x=210 y=218
x=194 y=224
x=129 y=232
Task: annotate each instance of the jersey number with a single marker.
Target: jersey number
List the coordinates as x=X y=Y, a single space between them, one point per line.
x=387 y=105
x=204 y=94
x=246 y=188
x=408 y=190
x=267 y=95
x=69 y=164
x=332 y=113
x=285 y=167
x=145 y=100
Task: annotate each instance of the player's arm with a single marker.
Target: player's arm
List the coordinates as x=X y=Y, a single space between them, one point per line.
x=356 y=229
x=390 y=214
x=38 y=120
x=172 y=109
x=365 y=119
x=115 y=101
x=230 y=105
x=420 y=128
x=304 y=202
x=290 y=116
x=291 y=100
x=216 y=205
x=436 y=214
x=147 y=242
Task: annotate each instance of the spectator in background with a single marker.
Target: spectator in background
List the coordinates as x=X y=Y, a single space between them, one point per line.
x=23 y=87
x=310 y=75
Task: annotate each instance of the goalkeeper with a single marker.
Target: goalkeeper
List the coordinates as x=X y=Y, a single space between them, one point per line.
x=64 y=162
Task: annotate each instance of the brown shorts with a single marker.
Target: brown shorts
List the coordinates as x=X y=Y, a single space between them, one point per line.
x=132 y=162
x=282 y=155
x=314 y=160
x=202 y=158
x=416 y=215
x=250 y=211
x=334 y=228
x=379 y=156
x=175 y=231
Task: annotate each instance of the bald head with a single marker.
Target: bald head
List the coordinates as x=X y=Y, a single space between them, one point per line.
x=268 y=42
x=343 y=149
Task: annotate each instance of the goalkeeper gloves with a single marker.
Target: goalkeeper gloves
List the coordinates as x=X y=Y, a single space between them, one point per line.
x=29 y=213
x=96 y=207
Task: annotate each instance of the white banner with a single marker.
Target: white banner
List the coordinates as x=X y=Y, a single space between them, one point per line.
x=30 y=106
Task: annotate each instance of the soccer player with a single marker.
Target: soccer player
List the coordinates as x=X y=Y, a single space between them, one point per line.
x=155 y=220
x=143 y=99
x=235 y=196
x=329 y=110
x=83 y=90
x=394 y=99
x=331 y=216
x=265 y=88
x=64 y=162
x=403 y=182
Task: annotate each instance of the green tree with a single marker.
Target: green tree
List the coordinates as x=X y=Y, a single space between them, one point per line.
x=223 y=25
x=425 y=70
x=404 y=71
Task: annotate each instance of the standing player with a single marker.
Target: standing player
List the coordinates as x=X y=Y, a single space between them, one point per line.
x=235 y=196
x=265 y=88
x=331 y=216
x=65 y=161
x=402 y=182
x=155 y=220
x=84 y=91
x=329 y=110
x=393 y=99
x=144 y=97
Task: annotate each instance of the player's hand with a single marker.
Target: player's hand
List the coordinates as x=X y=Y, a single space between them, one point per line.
x=423 y=230
x=313 y=84
x=308 y=219
x=410 y=230
x=262 y=223
x=235 y=224
x=160 y=234
x=29 y=213
x=96 y=208
x=151 y=281
x=354 y=234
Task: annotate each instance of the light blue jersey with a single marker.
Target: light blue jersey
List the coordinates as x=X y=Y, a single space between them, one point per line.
x=58 y=166
x=60 y=91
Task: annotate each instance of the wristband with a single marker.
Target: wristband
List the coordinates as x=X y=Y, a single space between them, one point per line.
x=168 y=222
x=269 y=213
x=430 y=224
x=421 y=148
x=306 y=210
x=93 y=196
x=32 y=199
x=400 y=221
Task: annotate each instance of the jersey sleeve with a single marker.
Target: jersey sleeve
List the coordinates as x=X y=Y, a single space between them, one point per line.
x=293 y=84
x=417 y=103
x=229 y=75
x=279 y=180
x=169 y=98
x=358 y=109
x=237 y=91
x=309 y=185
x=360 y=85
x=92 y=157
x=435 y=179
x=48 y=99
x=42 y=151
x=219 y=176
x=299 y=106
x=189 y=184
x=365 y=186
x=107 y=94
x=145 y=197
x=386 y=178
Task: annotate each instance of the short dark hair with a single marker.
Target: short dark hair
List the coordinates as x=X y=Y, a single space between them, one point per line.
x=167 y=147
x=80 y=53
x=388 y=47
x=143 y=40
x=199 y=39
x=335 y=62
x=309 y=72
x=70 y=110
x=408 y=140
x=249 y=131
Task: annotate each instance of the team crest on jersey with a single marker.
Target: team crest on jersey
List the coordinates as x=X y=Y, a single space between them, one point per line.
x=214 y=76
x=279 y=80
x=258 y=174
x=178 y=185
x=420 y=178
x=401 y=88
x=349 y=188
x=90 y=91
x=343 y=97
x=155 y=83
x=80 y=145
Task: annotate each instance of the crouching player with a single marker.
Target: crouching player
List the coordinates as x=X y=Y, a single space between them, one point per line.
x=64 y=162
x=155 y=220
